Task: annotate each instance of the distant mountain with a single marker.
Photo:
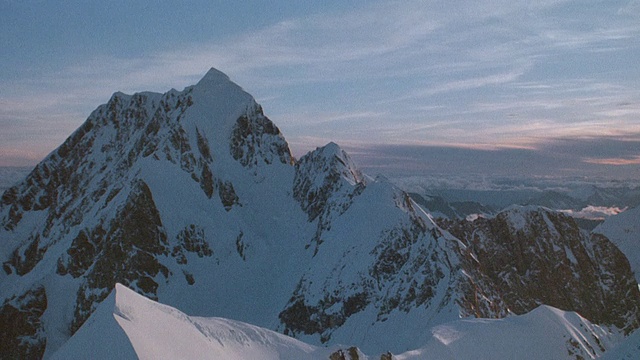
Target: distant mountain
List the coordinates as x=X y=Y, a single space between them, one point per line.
x=589 y=199
x=439 y=207
x=192 y=198
x=624 y=196
x=128 y=326
x=556 y=200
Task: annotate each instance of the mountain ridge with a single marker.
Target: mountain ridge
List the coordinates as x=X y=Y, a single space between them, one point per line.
x=126 y=325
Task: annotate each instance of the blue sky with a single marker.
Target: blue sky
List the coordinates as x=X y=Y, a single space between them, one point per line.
x=550 y=87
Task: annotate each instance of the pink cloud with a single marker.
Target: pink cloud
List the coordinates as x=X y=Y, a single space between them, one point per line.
x=614 y=161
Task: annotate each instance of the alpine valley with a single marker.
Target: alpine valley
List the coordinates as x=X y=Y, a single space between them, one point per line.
x=190 y=202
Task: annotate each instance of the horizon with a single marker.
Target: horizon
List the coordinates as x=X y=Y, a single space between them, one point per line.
x=415 y=88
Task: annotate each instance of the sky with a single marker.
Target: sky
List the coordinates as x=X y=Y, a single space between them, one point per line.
x=507 y=87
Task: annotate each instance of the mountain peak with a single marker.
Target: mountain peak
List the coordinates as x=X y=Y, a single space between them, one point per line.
x=337 y=160
x=214 y=76
x=331 y=150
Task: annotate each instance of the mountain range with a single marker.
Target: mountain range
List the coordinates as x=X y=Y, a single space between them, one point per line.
x=193 y=199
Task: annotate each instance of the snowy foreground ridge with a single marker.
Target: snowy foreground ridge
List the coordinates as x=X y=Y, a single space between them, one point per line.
x=193 y=199
x=127 y=325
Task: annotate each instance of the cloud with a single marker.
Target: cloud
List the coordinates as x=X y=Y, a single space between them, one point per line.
x=631 y=9
x=478 y=75
x=473 y=83
x=595 y=212
x=557 y=158
x=614 y=161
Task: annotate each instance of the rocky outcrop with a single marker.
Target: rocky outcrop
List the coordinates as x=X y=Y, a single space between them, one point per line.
x=256 y=139
x=325 y=183
x=128 y=253
x=322 y=174
x=351 y=353
x=21 y=330
x=25 y=258
x=525 y=257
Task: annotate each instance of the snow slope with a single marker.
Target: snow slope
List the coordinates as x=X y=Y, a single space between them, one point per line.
x=629 y=349
x=127 y=326
x=544 y=333
x=624 y=230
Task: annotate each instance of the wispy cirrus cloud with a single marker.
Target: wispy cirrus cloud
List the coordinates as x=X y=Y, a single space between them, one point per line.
x=614 y=161
x=480 y=75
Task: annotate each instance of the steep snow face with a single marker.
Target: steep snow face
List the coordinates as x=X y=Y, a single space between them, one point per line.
x=624 y=231
x=127 y=326
x=380 y=261
x=528 y=256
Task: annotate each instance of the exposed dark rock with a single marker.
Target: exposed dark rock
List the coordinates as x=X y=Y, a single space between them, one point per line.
x=546 y=259
x=191 y=239
x=320 y=175
x=386 y=356
x=189 y=277
x=21 y=329
x=241 y=246
x=180 y=142
x=206 y=181
x=203 y=146
x=300 y=317
x=127 y=254
x=256 y=139
x=228 y=195
x=350 y=354
x=25 y=258
x=81 y=255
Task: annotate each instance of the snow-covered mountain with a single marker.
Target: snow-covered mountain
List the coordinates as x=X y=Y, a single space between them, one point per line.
x=193 y=198
x=128 y=326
